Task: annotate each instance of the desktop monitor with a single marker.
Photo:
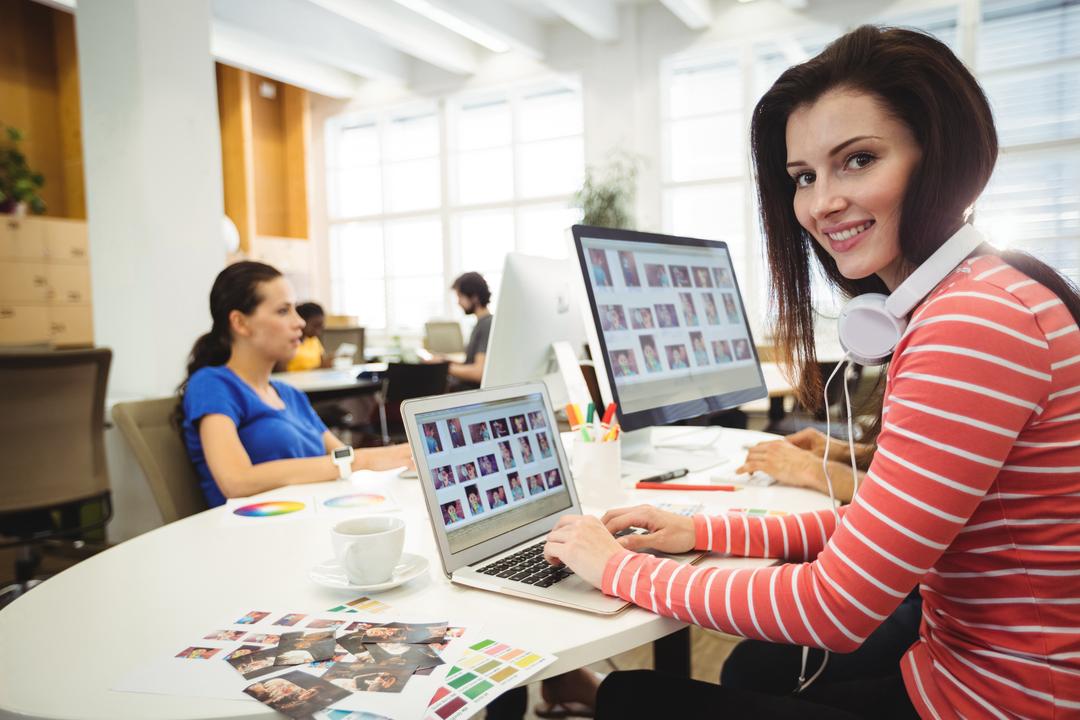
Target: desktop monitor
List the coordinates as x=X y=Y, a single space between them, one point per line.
x=670 y=327
x=537 y=307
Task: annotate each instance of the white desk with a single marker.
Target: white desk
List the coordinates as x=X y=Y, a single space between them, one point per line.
x=69 y=640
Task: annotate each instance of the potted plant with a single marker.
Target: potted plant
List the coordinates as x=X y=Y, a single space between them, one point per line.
x=19 y=184
x=607 y=196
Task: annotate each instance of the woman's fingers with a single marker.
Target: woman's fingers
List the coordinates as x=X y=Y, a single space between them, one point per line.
x=636 y=517
x=616 y=512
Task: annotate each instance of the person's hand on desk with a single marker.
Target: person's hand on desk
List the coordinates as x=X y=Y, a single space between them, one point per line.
x=789 y=464
x=384 y=458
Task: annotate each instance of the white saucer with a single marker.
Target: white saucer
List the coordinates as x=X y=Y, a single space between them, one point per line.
x=329 y=573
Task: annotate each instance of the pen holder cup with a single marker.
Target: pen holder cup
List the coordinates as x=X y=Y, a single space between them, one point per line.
x=597 y=468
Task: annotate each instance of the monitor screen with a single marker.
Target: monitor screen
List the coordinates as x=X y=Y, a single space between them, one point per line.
x=494 y=468
x=671 y=325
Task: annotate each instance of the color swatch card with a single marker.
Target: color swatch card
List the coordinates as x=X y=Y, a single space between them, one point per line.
x=352 y=501
x=251 y=512
x=485 y=670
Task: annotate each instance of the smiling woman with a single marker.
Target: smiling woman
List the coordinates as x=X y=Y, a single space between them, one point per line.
x=244 y=432
x=869 y=156
x=853 y=160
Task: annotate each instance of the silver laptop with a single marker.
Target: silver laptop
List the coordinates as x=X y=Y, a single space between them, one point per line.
x=495 y=481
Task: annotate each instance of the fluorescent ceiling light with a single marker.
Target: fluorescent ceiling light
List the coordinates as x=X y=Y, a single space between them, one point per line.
x=455 y=23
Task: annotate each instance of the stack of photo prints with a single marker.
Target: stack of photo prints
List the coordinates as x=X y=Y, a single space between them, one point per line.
x=320 y=666
x=485 y=465
x=665 y=320
x=300 y=665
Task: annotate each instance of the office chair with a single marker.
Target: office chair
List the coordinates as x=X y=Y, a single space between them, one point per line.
x=52 y=453
x=159 y=448
x=404 y=381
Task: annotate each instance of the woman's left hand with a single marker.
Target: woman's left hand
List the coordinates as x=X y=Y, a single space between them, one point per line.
x=788 y=464
x=583 y=544
x=384 y=458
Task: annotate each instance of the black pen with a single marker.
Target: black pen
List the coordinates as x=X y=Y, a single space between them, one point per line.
x=664 y=477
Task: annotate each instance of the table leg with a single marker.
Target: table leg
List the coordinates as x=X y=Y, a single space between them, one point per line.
x=671 y=654
x=776 y=409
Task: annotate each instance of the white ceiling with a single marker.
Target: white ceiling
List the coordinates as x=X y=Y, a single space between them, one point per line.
x=333 y=46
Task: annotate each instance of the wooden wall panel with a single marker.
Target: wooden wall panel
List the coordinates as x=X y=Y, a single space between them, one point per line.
x=237 y=151
x=69 y=114
x=268 y=125
x=30 y=97
x=297 y=119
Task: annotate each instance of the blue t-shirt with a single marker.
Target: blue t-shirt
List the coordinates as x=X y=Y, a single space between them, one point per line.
x=265 y=432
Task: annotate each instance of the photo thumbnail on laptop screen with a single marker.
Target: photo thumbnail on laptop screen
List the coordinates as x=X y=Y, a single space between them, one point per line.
x=493 y=466
x=672 y=320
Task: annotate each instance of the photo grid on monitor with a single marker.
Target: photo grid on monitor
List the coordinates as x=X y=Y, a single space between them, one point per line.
x=672 y=321
x=493 y=467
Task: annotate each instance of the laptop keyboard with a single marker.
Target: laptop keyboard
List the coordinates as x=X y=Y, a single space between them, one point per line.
x=528 y=566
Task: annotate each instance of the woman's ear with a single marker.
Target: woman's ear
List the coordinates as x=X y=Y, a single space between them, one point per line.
x=238 y=323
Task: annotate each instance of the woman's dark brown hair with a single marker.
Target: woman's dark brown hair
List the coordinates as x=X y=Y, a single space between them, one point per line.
x=919 y=81
x=235 y=288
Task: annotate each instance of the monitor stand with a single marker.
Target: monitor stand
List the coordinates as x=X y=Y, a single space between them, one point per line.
x=694 y=450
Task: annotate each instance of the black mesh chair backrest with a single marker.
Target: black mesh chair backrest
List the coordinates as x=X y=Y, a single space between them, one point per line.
x=405 y=381
x=52 y=428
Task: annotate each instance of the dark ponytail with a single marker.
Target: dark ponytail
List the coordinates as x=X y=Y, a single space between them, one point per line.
x=235 y=288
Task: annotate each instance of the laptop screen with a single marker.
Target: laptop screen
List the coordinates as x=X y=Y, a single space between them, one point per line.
x=493 y=466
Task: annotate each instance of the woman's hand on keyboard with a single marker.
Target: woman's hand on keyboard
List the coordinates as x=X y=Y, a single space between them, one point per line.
x=582 y=544
x=667 y=532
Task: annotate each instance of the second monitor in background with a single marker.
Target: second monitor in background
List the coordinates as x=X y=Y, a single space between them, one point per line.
x=537 y=307
x=670 y=332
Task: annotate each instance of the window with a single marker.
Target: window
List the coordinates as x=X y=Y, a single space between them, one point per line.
x=1027 y=57
x=399 y=234
x=516 y=158
x=386 y=239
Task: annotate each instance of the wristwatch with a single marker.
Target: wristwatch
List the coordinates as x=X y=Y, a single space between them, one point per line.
x=343 y=457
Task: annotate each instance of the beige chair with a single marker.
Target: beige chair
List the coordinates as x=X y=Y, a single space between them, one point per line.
x=148 y=427
x=332 y=338
x=444 y=337
x=52 y=450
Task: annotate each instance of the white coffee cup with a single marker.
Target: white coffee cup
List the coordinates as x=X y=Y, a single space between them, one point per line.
x=368 y=548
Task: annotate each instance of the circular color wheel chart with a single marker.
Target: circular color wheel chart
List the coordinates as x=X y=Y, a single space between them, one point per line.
x=269 y=509
x=355 y=500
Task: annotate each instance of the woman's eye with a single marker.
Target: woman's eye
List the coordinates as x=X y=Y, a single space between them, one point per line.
x=860 y=160
x=803 y=179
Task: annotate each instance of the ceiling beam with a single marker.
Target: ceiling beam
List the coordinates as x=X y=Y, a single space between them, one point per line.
x=695 y=14
x=243 y=49
x=495 y=24
x=599 y=19
x=410 y=33
x=307 y=30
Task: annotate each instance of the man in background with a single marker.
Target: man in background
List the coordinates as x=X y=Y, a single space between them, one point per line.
x=473 y=296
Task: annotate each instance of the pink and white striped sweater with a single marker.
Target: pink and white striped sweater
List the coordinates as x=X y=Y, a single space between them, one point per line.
x=973 y=494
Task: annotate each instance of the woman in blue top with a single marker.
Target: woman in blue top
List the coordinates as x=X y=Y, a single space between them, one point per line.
x=245 y=433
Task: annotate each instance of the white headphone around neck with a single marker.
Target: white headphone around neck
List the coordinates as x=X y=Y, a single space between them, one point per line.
x=872 y=324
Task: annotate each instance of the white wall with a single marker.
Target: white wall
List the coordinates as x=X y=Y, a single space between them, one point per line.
x=153 y=183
